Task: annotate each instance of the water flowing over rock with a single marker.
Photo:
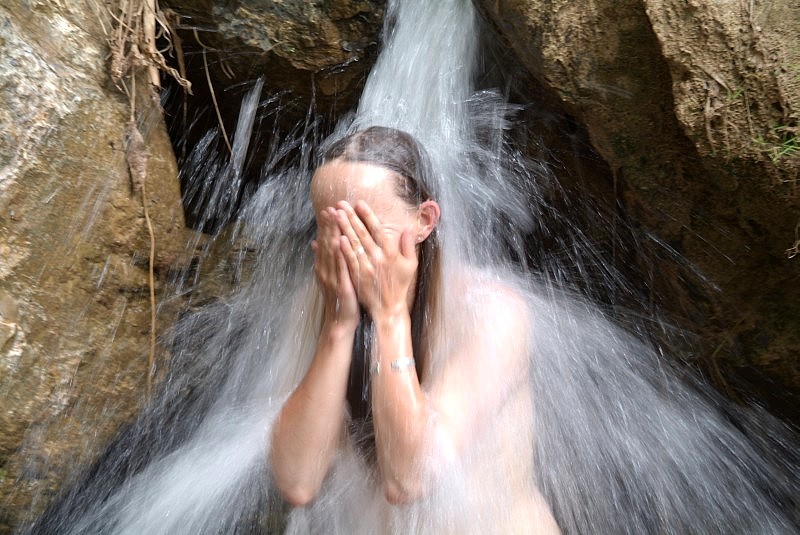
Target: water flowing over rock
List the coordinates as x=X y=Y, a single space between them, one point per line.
x=74 y=248
x=695 y=109
x=313 y=50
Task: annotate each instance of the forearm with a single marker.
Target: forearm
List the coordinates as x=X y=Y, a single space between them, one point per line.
x=308 y=427
x=400 y=410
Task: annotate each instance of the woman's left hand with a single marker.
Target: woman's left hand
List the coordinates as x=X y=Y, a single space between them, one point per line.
x=382 y=260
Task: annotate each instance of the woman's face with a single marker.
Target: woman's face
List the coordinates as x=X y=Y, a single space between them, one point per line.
x=341 y=180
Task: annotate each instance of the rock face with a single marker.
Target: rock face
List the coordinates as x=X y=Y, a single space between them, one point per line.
x=312 y=50
x=74 y=245
x=74 y=248
x=735 y=82
x=313 y=58
x=694 y=106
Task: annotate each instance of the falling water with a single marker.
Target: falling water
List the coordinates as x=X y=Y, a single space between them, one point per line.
x=618 y=443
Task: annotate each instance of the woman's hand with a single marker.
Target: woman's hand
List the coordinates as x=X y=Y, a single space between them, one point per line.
x=331 y=269
x=381 y=260
x=310 y=424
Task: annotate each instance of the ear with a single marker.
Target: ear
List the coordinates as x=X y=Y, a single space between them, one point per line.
x=428 y=215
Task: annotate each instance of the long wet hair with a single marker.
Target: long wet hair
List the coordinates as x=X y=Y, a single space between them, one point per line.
x=400 y=153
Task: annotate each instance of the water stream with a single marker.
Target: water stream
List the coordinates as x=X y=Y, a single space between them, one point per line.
x=620 y=444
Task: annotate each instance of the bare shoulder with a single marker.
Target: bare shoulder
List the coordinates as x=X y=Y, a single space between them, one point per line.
x=489 y=318
x=493 y=297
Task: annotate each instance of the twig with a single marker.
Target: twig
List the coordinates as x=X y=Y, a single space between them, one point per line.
x=134 y=53
x=136 y=155
x=213 y=95
x=177 y=43
x=794 y=250
x=149 y=29
x=151 y=282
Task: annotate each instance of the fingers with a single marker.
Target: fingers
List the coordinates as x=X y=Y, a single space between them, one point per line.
x=352 y=228
x=326 y=245
x=326 y=232
x=332 y=272
x=326 y=223
x=365 y=223
x=343 y=273
x=373 y=224
x=353 y=258
x=327 y=228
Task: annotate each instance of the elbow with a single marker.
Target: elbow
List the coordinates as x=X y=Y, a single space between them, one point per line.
x=296 y=495
x=403 y=492
x=293 y=489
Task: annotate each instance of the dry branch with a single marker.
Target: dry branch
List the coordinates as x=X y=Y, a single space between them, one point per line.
x=133 y=53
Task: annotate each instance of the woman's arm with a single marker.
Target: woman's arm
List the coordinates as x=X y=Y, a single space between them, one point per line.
x=308 y=428
x=383 y=263
x=468 y=392
x=310 y=423
x=488 y=367
x=400 y=409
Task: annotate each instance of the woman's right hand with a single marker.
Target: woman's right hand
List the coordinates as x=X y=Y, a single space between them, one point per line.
x=330 y=267
x=310 y=424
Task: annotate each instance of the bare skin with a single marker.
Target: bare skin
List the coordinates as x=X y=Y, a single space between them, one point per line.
x=366 y=255
x=312 y=420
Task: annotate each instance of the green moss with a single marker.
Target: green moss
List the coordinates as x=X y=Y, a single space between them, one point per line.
x=733 y=96
x=781 y=143
x=622 y=145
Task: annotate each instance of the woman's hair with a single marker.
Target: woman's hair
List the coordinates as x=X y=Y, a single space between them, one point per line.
x=400 y=153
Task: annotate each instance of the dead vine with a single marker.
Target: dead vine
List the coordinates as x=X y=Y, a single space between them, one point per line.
x=213 y=94
x=137 y=27
x=794 y=250
x=136 y=156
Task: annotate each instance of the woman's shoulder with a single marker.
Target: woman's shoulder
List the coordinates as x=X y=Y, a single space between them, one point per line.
x=498 y=294
x=485 y=320
x=503 y=283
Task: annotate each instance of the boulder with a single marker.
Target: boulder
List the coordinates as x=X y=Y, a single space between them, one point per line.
x=74 y=247
x=694 y=109
x=318 y=52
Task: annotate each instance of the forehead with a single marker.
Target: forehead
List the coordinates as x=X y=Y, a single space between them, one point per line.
x=351 y=181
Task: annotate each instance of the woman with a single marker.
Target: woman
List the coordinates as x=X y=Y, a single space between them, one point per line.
x=451 y=413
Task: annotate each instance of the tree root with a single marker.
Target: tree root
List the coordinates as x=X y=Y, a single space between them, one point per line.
x=133 y=52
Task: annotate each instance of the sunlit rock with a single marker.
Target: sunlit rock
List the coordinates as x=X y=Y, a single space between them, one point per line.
x=694 y=108
x=74 y=247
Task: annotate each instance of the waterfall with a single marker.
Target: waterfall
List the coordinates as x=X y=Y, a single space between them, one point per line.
x=620 y=442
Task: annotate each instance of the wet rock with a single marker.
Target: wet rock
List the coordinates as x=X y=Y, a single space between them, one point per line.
x=313 y=58
x=9 y=318
x=74 y=248
x=735 y=79
x=694 y=108
x=320 y=51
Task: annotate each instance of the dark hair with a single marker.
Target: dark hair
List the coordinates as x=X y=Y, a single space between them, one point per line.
x=400 y=153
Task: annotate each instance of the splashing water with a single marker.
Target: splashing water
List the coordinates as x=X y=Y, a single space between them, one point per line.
x=615 y=442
